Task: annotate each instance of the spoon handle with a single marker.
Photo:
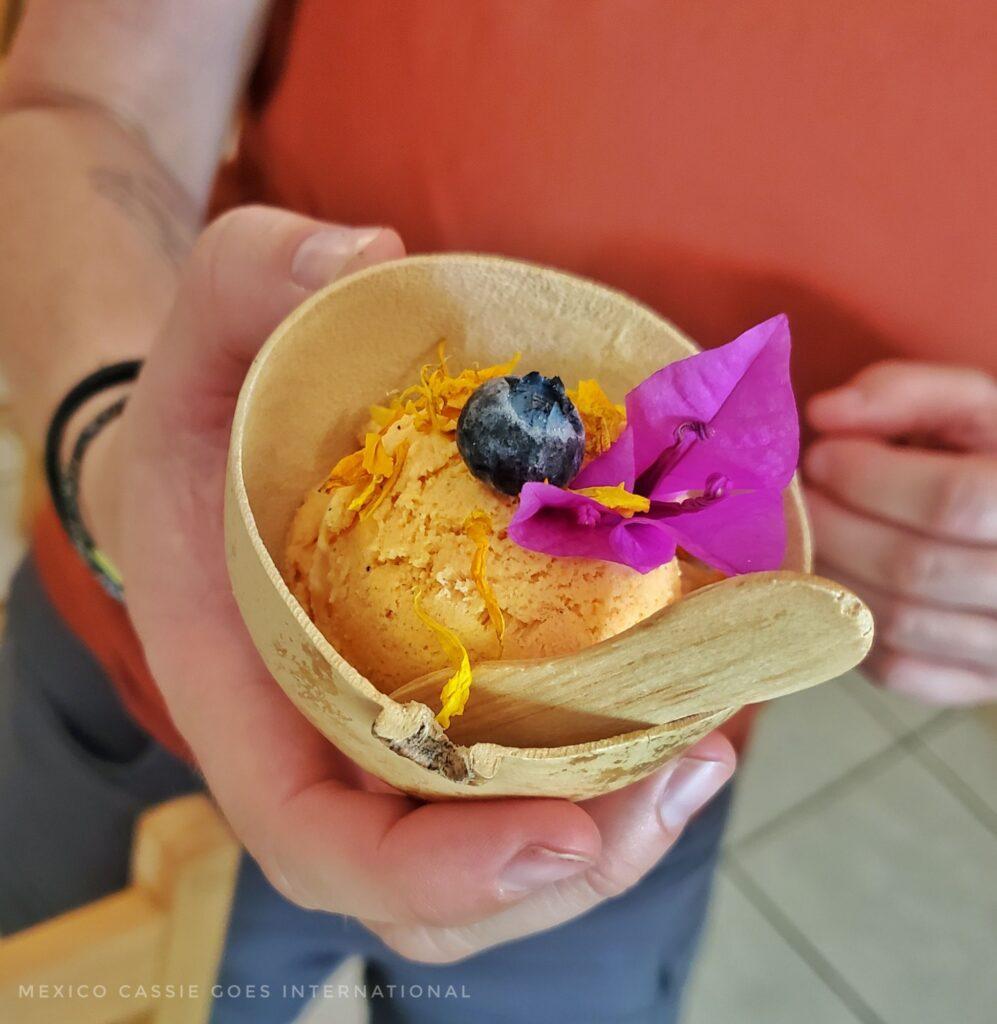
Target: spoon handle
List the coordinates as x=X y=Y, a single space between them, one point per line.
x=739 y=641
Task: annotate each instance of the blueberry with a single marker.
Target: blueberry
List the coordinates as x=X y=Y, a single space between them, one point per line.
x=514 y=430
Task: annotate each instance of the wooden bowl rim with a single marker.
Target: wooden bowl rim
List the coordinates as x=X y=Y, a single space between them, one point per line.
x=481 y=751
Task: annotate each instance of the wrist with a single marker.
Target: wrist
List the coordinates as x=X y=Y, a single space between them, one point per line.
x=82 y=476
x=100 y=488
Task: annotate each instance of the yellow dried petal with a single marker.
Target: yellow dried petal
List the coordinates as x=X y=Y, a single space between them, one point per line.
x=478 y=528
x=435 y=403
x=387 y=485
x=617 y=499
x=385 y=415
x=364 y=496
x=603 y=419
x=499 y=369
x=376 y=460
x=429 y=396
x=408 y=399
x=455 y=693
x=348 y=471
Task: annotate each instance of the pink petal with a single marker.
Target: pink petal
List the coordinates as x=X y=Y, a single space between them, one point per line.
x=754 y=436
x=643 y=543
x=616 y=464
x=743 y=392
x=547 y=520
x=739 y=533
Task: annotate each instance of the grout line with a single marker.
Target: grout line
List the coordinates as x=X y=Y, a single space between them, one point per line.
x=878 y=709
x=812 y=801
x=941 y=721
x=952 y=782
x=829 y=790
x=787 y=930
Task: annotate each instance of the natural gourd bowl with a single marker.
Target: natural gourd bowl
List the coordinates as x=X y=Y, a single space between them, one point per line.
x=301 y=404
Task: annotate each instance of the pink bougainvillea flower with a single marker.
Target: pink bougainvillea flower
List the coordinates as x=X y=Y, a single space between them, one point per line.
x=710 y=443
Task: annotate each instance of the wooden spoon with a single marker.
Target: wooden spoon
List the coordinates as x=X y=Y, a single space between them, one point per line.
x=740 y=641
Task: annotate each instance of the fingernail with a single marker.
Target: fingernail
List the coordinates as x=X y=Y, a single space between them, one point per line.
x=688 y=788
x=535 y=867
x=321 y=257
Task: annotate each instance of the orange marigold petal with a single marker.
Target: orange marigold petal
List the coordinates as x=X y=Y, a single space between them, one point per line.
x=364 y=496
x=349 y=470
x=617 y=499
x=385 y=415
x=478 y=528
x=376 y=460
x=604 y=420
x=386 y=485
x=455 y=693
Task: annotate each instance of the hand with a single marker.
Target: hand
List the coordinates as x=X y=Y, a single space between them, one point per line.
x=903 y=496
x=435 y=881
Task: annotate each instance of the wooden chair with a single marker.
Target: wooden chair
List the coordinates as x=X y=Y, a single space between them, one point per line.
x=166 y=929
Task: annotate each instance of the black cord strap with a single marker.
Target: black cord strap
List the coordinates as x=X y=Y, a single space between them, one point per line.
x=64 y=484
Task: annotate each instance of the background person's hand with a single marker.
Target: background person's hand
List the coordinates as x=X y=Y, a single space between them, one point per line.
x=436 y=881
x=903 y=496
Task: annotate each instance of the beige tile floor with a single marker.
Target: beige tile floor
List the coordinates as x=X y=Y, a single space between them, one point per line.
x=859 y=881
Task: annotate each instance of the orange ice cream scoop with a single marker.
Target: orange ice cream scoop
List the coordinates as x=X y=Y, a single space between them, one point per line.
x=360 y=553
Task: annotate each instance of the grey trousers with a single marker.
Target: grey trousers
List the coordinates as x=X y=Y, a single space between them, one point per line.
x=75 y=771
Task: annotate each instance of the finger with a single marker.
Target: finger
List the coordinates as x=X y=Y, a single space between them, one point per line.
x=958 y=405
x=249 y=269
x=247 y=272
x=291 y=798
x=324 y=842
x=927 y=630
x=256 y=263
x=930 y=681
x=905 y=563
x=945 y=495
x=638 y=825
x=384 y=857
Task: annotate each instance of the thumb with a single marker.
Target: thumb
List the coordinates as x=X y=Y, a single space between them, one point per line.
x=955 y=406
x=637 y=825
x=248 y=270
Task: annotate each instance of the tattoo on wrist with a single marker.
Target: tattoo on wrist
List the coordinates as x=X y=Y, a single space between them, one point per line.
x=151 y=197
x=142 y=198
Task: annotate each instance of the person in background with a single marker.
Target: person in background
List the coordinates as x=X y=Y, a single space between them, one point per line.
x=722 y=163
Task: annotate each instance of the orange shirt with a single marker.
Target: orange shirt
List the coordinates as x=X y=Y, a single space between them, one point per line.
x=720 y=161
